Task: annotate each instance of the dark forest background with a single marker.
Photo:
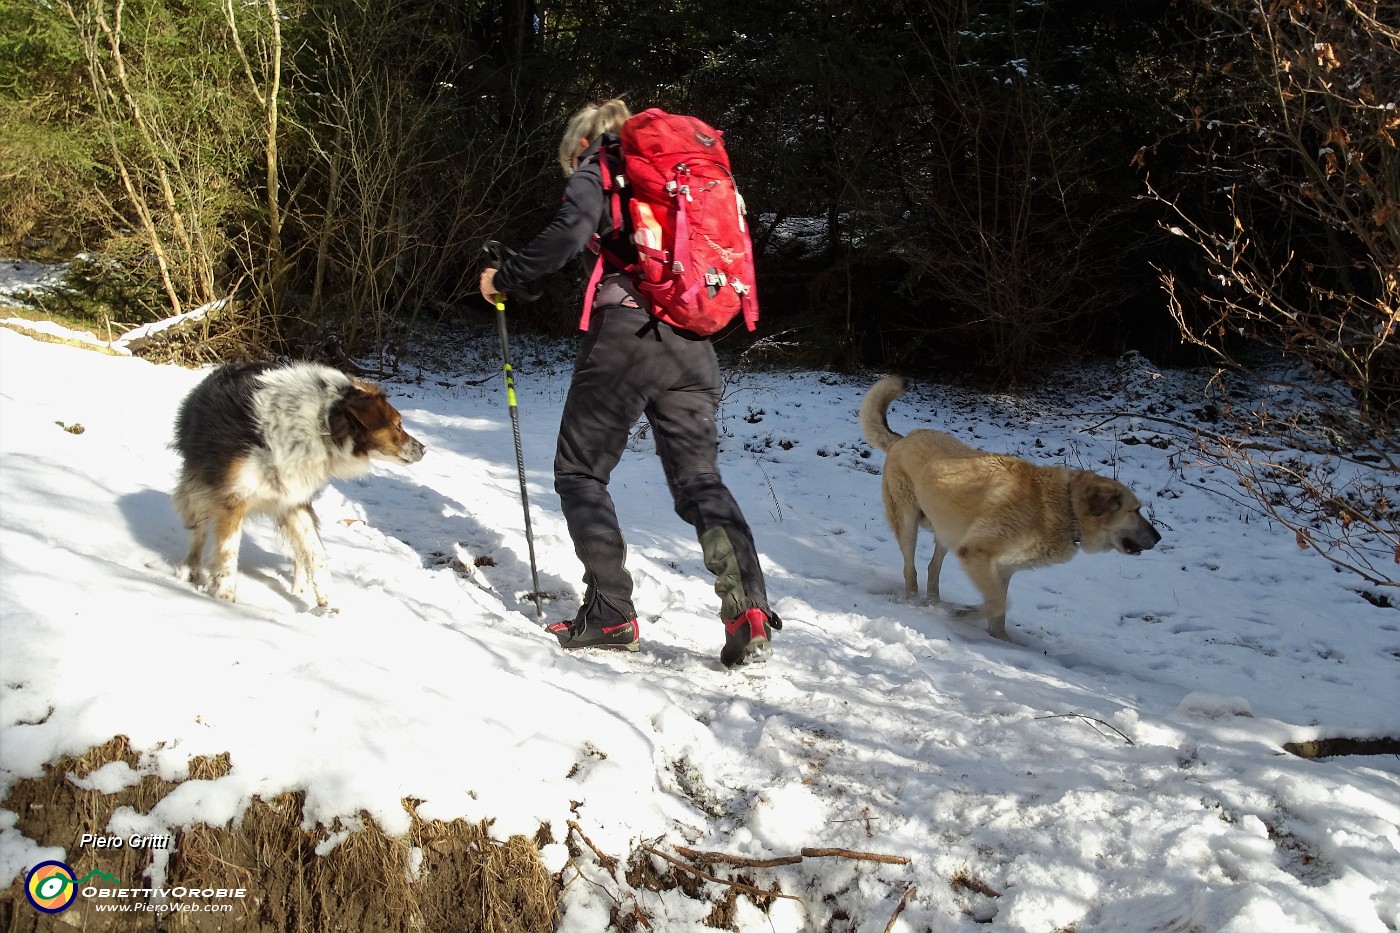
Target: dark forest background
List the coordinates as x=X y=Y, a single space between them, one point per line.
x=977 y=187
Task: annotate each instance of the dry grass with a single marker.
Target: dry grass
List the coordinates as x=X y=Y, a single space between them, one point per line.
x=463 y=880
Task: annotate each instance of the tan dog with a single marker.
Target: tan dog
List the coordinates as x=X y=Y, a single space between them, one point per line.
x=998 y=513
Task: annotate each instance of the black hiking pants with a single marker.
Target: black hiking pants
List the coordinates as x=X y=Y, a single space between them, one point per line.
x=630 y=365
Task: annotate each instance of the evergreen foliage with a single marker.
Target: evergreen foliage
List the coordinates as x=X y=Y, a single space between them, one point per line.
x=50 y=158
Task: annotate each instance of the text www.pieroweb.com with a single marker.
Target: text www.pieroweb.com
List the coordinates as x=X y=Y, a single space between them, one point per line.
x=166 y=907
x=163 y=901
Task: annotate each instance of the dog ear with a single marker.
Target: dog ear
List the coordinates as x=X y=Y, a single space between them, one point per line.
x=365 y=405
x=1103 y=499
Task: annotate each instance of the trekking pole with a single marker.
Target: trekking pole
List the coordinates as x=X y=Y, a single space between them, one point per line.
x=495 y=249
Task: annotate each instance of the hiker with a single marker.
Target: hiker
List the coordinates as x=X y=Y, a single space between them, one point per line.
x=631 y=363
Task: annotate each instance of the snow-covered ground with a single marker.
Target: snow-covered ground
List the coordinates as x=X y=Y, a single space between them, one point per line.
x=1119 y=769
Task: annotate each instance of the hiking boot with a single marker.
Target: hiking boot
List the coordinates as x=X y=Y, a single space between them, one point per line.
x=746 y=638
x=581 y=633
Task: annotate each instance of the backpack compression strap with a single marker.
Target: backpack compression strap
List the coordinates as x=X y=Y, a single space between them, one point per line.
x=680 y=190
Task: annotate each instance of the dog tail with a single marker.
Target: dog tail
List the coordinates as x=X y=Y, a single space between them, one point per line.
x=873 y=423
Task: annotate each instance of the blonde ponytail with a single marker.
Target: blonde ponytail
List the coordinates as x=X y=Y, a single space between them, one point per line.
x=589 y=123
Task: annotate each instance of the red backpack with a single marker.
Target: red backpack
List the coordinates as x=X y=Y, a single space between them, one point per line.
x=687 y=220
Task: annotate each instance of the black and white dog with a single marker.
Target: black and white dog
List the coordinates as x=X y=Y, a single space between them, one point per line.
x=264 y=439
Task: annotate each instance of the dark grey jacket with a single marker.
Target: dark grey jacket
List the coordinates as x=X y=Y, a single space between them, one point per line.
x=585 y=210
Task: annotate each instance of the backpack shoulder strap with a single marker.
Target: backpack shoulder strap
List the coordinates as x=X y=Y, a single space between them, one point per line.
x=610 y=168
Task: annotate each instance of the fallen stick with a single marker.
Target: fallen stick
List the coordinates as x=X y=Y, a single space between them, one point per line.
x=967 y=882
x=899 y=909
x=862 y=856
x=740 y=860
x=578 y=873
x=607 y=861
x=737 y=885
x=1090 y=720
